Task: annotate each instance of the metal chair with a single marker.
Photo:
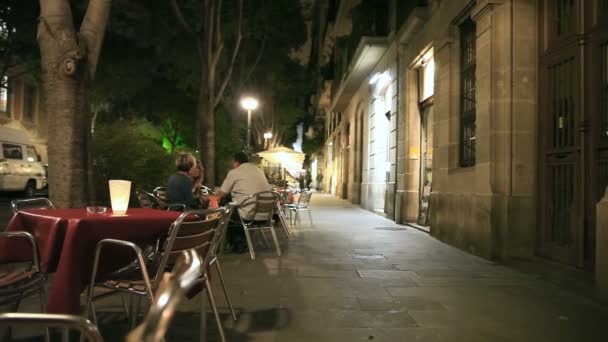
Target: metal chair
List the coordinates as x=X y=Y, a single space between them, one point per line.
x=190 y=231
x=283 y=200
x=303 y=204
x=159 y=199
x=263 y=205
x=171 y=291
x=16 y=285
x=160 y=192
x=146 y=199
x=65 y=322
x=218 y=249
x=31 y=203
x=23 y=283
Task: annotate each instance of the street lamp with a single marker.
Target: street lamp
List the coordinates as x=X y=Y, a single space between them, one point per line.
x=267 y=135
x=249 y=103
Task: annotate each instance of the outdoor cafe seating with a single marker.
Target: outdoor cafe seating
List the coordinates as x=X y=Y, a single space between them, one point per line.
x=171 y=290
x=109 y=252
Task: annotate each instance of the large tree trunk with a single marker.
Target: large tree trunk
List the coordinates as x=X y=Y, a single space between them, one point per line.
x=206 y=137
x=69 y=60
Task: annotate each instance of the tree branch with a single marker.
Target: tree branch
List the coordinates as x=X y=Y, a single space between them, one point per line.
x=219 y=45
x=180 y=16
x=235 y=52
x=93 y=29
x=257 y=60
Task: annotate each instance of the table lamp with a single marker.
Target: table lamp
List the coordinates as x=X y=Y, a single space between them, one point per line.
x=120 y=191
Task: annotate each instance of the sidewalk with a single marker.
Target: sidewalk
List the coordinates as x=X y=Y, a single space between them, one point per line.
x=355 y=276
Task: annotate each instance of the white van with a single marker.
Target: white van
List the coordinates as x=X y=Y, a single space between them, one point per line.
x=20 y=167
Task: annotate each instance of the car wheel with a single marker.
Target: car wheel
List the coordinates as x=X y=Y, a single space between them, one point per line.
x=30 y=189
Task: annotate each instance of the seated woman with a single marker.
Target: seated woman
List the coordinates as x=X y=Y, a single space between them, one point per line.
x=196 y=173
x=179 y=185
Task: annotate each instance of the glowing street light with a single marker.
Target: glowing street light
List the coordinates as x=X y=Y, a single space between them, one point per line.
x=267 y=136
x=249 y=103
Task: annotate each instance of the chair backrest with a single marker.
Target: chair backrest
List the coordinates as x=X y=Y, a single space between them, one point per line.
x=304 y=199
x=170 y=292
x=88 y=330
x=31 y=203
x=146 y=199
x=193 y=229
x=264 y=205
x=160 y=192
x=35 y=260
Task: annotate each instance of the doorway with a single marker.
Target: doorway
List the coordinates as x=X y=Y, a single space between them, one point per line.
x=426 y=162
x=572 y=165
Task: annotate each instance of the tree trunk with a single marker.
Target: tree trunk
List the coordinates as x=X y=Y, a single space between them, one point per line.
x=206 y=136
x=69 y=60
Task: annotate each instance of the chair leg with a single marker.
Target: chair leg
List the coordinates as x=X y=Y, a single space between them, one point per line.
x=125 y=306
x=42 y=294
x=221 y=276
x=203 y=317
x=89 y=310
x=249 y=243
x=218 y=319
x=284 y=224
x=276 y=241
x=264 y=238
x=310 y=216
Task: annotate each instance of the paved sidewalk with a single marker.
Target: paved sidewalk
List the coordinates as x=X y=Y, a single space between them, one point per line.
x=355 y=276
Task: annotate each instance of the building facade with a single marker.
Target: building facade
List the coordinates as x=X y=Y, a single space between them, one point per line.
x=480 y=121
x=21 y=107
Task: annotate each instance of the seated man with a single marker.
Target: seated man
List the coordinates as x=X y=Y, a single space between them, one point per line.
x=243 y=180
x=179 y=185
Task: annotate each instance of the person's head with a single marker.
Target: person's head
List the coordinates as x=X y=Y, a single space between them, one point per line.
x=238 y=159
x=184 y=162
x=196 y=172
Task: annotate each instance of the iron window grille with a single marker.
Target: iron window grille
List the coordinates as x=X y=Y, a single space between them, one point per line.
x=467 y=92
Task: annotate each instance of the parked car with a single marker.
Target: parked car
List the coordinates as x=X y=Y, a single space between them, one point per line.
x=20 y=166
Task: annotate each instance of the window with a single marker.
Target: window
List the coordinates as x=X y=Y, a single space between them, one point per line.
x=29 y=103
x=4 y=97
x=11 y=151
x=467 y=93
x=605 y=89
x=31 y=155
x=565 y=16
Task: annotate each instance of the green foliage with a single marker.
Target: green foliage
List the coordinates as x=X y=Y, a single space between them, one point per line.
x=131 y=150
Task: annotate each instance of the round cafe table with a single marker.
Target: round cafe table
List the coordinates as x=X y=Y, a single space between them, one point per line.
x=67 y=239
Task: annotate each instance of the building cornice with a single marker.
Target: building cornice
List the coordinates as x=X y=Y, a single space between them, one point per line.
x=368 y=53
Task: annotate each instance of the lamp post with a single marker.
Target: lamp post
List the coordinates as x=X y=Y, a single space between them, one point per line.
x=267 y=135
x=249 y=103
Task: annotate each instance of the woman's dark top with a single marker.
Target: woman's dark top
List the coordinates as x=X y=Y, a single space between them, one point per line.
x=179 y=190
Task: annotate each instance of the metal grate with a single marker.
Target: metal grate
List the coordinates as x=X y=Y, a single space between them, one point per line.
x=565 y=16
x=561 y=99
x=467 y=88
x=561 y=201
x=605 y=89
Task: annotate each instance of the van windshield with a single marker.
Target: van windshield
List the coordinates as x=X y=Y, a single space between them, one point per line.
x=31 y=155
x=11 y=151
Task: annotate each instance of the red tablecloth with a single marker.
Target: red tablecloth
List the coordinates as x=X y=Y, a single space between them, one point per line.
x=67 y=239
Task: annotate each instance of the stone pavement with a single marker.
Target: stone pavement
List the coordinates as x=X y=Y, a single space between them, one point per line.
x=355 y=276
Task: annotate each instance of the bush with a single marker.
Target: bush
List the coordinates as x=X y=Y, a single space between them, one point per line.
x=130 y=150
